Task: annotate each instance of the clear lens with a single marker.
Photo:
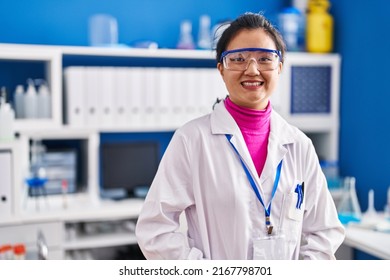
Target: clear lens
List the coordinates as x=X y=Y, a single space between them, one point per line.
x=240 y=60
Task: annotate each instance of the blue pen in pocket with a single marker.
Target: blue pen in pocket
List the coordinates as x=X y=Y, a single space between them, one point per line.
x=300 y=191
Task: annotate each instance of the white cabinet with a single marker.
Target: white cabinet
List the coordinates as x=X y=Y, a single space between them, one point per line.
x=308 y=97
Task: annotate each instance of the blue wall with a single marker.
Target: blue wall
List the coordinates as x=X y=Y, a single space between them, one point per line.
x=361 y=37
x=60 y=22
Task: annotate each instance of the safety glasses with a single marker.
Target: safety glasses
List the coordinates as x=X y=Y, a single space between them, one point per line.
x=239 y=59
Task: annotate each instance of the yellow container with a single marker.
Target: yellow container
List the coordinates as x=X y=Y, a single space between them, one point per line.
x=319 y=28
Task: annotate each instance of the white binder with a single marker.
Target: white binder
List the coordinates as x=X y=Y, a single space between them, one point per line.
x=150 y=82
x=177 y=96
x=105 y=96
x=191 y=101
x=6 y=184
x=92 y=102
x=74 y=96
x=163 y=100
x=135 y=103
x=121 y=97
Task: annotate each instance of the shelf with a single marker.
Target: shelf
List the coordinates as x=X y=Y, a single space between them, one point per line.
x=52 y=59
x=119 y=238
x=81 y=208
x=115 y=51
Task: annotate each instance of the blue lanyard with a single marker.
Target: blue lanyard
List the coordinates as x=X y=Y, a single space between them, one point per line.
x=256 y=190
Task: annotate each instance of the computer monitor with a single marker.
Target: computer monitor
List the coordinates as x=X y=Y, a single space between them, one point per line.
x=127 y=168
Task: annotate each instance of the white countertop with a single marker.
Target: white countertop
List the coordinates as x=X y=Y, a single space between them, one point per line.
x=373 y=242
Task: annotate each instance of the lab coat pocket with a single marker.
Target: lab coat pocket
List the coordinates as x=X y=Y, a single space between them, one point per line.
x=295 y=202
x=294 y=207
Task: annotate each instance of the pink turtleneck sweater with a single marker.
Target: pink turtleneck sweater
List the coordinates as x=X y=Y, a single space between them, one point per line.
x=255 y=127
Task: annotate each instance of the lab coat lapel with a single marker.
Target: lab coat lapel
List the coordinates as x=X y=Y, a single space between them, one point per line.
x=279 y=137
x=223 y=123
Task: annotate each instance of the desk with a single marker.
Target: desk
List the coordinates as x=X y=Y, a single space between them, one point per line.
x=369 y=241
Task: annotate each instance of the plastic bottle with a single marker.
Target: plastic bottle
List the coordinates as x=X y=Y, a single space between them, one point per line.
x=30 y=101
x=44 y=101
x=319 y=29
x=186 y=40
x=204 y=35
x=301 y=5
x=6 y=252
x=7 y=117
x=19 y=101
x=19 y=252
x=291 y=25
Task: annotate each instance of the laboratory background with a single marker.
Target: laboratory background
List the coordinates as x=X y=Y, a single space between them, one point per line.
x=64 y=157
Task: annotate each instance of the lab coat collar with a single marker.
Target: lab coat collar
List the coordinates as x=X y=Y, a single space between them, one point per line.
x=223 y=123
x=281 y=134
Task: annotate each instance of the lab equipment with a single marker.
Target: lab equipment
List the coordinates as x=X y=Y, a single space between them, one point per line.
x=19 y=101
x=204 y=35
x=301 y=5
x=43 y=249
x=370 y=218
x=19 y=251
x=7 y=117
x=319 y=29
x=186 y=40
x=349 y=208
x=36 y=179
x=31 y=101
x=291 y=24
x=387 y=206
x=44 y=101
x=60 y=166
x=103 y=30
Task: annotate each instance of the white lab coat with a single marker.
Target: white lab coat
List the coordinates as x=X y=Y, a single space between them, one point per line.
x=202 y=175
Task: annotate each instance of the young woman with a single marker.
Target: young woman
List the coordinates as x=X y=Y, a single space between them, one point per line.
x=250 y=184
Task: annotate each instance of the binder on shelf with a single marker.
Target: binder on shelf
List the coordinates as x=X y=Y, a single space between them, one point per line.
x=74 y=96
x=206 y=94
x=135 y=96
x=92 y=102
x=218 y=85
x=106 y=96
x=121 y=97
x=163 y=100
x=150 y=81
x=6 y=184
x=177 y=96
x=193 y=88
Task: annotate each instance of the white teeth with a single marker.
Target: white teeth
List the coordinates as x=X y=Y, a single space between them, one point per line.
x=252 y=84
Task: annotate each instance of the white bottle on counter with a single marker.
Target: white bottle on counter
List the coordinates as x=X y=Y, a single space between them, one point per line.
x=19 y=101
x=30 y=101
x=44 y=101
x=7 y=118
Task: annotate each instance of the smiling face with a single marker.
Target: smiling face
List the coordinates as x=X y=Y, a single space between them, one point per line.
x=250 y=88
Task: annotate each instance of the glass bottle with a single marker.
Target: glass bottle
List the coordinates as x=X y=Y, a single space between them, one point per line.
x=186 y=40
x=349 y=208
